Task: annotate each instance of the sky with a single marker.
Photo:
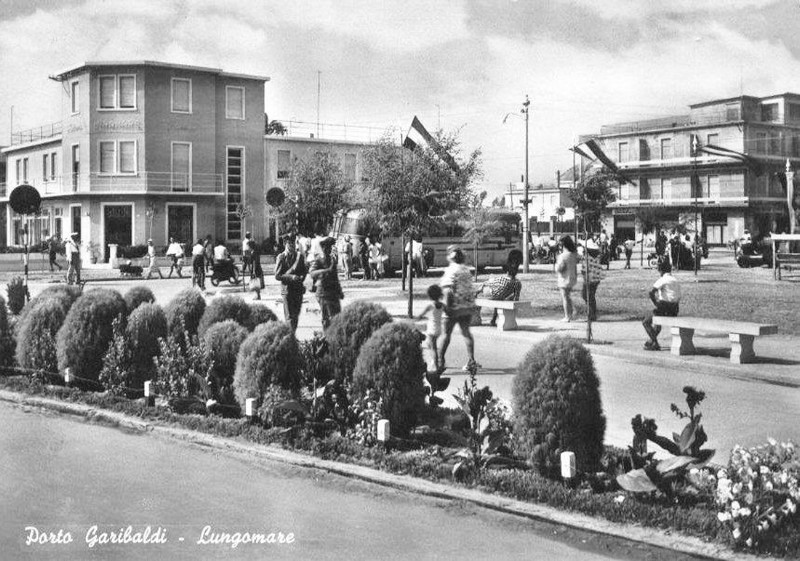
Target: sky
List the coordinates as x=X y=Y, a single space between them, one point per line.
x=458 y=65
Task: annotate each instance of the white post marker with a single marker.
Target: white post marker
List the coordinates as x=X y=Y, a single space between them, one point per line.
x=383 y=430
x=149 y=397
x=568 y=469
x=68 y=375
x=250 y=407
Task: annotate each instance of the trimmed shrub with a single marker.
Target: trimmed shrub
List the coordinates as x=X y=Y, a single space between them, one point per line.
x=223 y=340
x=391 y=365
x=146 y=325
x=83 y=339
x=117 y=372
x=17 y=294
x=68 y=292
x=269 y=356
x=137 y=296
x=6 y=337
x=37 y=330
x=261 y=314
x=557 y=406
x=349 y=330
x=184 y=312
x=226 y=307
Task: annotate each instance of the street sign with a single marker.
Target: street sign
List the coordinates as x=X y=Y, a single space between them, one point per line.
x=275 y=196
x=25 y=199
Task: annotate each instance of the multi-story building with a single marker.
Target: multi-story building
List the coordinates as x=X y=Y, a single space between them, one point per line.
x=546 y=204
x=144 y=150
x=729 y=193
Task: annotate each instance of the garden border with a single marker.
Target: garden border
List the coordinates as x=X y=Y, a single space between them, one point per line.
x=652 y=537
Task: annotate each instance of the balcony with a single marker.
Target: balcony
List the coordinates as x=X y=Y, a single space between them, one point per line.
x=141 y=183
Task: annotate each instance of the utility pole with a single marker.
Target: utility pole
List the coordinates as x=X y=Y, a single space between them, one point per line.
x=695 y=188
x=526 y=200
x=319 y=80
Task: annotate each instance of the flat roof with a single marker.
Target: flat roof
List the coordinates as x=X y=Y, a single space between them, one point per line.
x=69 y=72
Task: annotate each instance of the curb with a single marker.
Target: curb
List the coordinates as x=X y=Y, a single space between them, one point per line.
x=648 y=536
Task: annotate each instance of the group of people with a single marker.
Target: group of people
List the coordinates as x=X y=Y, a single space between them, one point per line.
x=682 y=251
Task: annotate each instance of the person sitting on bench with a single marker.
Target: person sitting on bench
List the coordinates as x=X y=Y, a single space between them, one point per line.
x=666 y=295
x=504 y=287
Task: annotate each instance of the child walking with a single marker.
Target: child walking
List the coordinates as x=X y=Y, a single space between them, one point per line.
x=434 y=327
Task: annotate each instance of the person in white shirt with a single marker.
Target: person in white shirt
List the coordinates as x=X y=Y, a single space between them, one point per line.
x=73 y=251
x=151 y=255
x=199 y=265
x=247 y=253
x=221 y=254
x=666 y=295
x=175 y=251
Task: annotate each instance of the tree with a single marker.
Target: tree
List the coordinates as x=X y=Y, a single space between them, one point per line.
x=242 y=212
x=317 y=190
x=499 y=201
x=591 y=197
x=274 y=127
x=479 y=223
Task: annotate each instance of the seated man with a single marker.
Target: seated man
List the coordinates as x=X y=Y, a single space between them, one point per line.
x=504 y=287
x=221 y=253
x=666 y=295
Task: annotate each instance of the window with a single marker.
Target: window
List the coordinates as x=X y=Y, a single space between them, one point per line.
x=284 y=164
x=53 y=165
x=235 y=189
x=713 y=139
x=181 y=166
x=666 y=148
x=234 y=102
x=117 y=92
x=624 y=156
x=666 y=189
x=761 y=142
x=107 y=92
x=45 y=166
x=350 y=167
x=107 y=156
x=127 y=156
x=181 y=95
x=74 y=100
x=794 y=112
x=644 y=150
x=732 y=112
x=22 y=170
x=644 y=189
x=713 y=187
x=769 y=112
x=19 y=171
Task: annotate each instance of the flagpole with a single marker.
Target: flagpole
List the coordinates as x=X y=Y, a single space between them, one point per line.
x=526 y=201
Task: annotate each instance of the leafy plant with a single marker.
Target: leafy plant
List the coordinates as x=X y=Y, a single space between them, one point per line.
x=17 y=295
x=261 y=314
x=489 y=431
x=117 y=372
x=349 y=330
x=185 y=311
x=317 y=366
x=226 y=307
x=669 y=476
x=6 y=336
x=183 y=368
x=223 y=341
x=138 y=295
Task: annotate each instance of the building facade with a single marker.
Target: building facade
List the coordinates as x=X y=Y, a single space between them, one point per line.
x=144 y=150
x=728 y=194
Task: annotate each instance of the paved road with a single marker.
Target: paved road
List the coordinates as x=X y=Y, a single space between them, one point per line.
x=60 y=474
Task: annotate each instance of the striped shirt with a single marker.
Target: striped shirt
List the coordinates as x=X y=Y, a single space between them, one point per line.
x=596 y=272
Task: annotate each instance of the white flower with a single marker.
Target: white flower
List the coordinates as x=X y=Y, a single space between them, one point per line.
x=768 y=486
x=735 y=505
x=694 y=471
x=784 y=477
x=749 y=542
x=763 y=470
x=737 y=533
x=722 y=474
x=723 y=516
x=744 y=512
x=748 y=498
x=619 y=499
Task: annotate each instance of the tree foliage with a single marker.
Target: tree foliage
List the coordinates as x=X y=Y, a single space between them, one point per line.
x=409 y=191
x=274 y=127
x=592 y=195
x=318 y=188
x=479 y=223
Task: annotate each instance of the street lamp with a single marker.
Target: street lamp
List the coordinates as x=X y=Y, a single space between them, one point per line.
x=525 y=199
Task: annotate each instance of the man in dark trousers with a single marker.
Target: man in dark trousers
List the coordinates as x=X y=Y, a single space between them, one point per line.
x=326 y=276
x=291 y=271
x=53 y=246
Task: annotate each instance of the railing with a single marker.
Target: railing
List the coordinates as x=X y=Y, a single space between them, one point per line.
x=143 y=182
x=38 y=133
x=329 y=131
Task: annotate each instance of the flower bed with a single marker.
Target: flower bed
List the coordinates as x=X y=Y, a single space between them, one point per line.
x=750 y=503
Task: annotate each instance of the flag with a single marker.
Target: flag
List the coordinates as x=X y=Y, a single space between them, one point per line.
x=751 y=162
x=418 y=135
x=592 y=151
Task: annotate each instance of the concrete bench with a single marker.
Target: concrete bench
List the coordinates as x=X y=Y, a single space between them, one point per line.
x=788 y=261
x=507 y=310
x=740 y=333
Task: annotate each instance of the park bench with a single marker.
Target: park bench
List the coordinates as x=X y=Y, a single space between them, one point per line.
x=788 y=261
x=740 y=333
x=507 y=310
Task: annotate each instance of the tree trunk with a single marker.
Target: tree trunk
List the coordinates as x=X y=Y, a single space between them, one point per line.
x=475 y=259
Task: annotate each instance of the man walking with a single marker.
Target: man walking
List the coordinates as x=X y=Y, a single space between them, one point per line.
x=592 y=275
x=628 y=245
x=291 y=271
x=52 y=252
x=73 y=251
x=326 y=277
x=666 y=295
x=175 y=251
x=459 y=299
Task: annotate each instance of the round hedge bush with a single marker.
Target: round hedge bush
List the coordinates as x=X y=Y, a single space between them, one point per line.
x=83 y=339
x=261 y=314
x=137 y=296
x=69 y=292
x=557 y=406
x=146 y=324
x=187 y=306
x=268 y=357
x=37 y=331
x=226 y=307
x=223 y=341
x=391 y=364
x=349 y=330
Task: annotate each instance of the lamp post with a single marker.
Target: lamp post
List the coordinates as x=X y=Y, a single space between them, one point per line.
x=526 y=200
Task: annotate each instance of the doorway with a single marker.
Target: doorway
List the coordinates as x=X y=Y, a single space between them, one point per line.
x=117 y=226
x=180 y=223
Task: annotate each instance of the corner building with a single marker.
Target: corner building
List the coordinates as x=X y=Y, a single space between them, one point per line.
x=144 y=150
x=729 y=195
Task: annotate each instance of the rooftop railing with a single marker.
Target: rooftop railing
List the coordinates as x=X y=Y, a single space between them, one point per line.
x=38 y=133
